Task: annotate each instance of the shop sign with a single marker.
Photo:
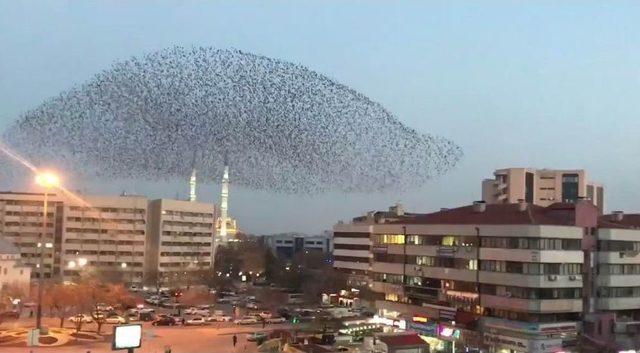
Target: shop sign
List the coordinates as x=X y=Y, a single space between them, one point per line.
x=426 y=329
x=532 y=346
x=447 y=332
x=529 y=328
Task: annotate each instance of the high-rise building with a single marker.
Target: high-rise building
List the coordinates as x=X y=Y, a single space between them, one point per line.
x=180 y=240
x=541 y=187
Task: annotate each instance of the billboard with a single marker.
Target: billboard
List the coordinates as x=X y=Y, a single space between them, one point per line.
x=127 y=337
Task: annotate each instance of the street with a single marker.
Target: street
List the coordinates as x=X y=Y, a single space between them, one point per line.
x=216 y=337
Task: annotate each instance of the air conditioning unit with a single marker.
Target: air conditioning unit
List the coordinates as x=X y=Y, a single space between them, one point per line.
x=507 y=294
x=417 y=268
x=573 y=278
x=552 y=278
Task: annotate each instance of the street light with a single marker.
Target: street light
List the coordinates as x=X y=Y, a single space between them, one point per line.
x=123 y=265
x=82 y=261
x=48 y=181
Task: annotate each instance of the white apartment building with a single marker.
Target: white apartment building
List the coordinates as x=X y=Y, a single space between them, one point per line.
x=21 y=222
x=12 y=271
x=541 y=187
x=181 y=240
x=105 y=234
x=516 y=270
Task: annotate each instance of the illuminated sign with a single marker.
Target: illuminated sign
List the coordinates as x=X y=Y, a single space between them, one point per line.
x=402 y=324
x=420 y=319
x=448 y=332
x=127 y=337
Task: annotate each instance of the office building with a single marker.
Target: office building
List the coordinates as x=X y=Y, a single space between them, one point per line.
x=180 y=240
x=541 y=187
x=105 y=235
x=286 y=245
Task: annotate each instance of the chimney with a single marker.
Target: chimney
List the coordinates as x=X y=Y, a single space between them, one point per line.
x=522 y=206
x=479 y=206
x=617 y=215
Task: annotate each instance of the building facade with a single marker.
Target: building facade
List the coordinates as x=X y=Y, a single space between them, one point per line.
x=286 y=245
x=181 y=240
x=128 y=239
x=14 y=275
x=541 y=187
x=21 y=222
x=508 y=277
x=352 y=251
x=106 y=235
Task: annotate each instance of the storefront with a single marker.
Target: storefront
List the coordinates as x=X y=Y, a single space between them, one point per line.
x=505 y=336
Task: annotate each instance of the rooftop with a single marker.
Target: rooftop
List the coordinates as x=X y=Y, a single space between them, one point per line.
x=528 y=214
x=402 y=340
x=620 y=220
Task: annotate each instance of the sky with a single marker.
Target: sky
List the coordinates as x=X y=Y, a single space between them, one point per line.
x=542 y=84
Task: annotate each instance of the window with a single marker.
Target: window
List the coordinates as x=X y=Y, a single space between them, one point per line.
x=388 y=239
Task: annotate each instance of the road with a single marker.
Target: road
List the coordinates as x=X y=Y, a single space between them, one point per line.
x=214 y=338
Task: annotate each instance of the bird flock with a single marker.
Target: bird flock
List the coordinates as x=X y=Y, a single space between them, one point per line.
x=281 y=126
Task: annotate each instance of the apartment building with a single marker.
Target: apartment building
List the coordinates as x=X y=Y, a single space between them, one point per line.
x=104 y=234
x=21 y=222
x=352 y=243
x=286 y=245
x=13 y=273
x=541 y=187
x=615 y=305
x=513 y=270
x=180 y=240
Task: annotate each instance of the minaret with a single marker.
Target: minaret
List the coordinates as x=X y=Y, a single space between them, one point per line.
x=224 y=207
x=192 y=187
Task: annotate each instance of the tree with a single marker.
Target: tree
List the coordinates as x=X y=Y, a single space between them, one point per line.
x=63 y=300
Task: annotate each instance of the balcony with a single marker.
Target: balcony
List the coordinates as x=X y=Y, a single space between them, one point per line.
x=357 y=253
x=526 y=255
x=532 y=305
x=441 y=272
x=626 y=303
x=619 y=281
x=532 y=281
x=382 y=287
x=387 y=267
x=619 y=257
x=363 y=266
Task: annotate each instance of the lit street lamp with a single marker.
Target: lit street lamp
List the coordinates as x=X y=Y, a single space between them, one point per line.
x=48 y=181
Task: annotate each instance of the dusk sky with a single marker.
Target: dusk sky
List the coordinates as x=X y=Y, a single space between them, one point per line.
x=541 y=84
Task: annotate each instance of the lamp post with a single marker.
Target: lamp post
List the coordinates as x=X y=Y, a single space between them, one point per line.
x=47 y=180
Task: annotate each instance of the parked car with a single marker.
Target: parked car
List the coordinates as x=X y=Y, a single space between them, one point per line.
x=13 y=314
x=146 y=316
x=196 y=321
x=115 y=320
x=246 y=320
x=205 y=306
x=276 y=320
x=220 y=318
x=164 y=321
x=252 y=305
x=104 y=307
x=256 y=336
x=87 y=319
x=179 y=319
x=265 y=314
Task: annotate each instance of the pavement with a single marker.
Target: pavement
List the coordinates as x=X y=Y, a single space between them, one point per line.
x=214 y=338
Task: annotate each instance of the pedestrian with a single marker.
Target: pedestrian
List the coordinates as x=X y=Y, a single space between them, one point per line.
x=235 y=339
x=31 y=313
x=264 y=322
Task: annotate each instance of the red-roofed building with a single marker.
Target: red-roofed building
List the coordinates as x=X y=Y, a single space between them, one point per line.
x=403 y=342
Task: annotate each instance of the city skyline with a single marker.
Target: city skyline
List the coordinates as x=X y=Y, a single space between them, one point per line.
x=511 y=85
